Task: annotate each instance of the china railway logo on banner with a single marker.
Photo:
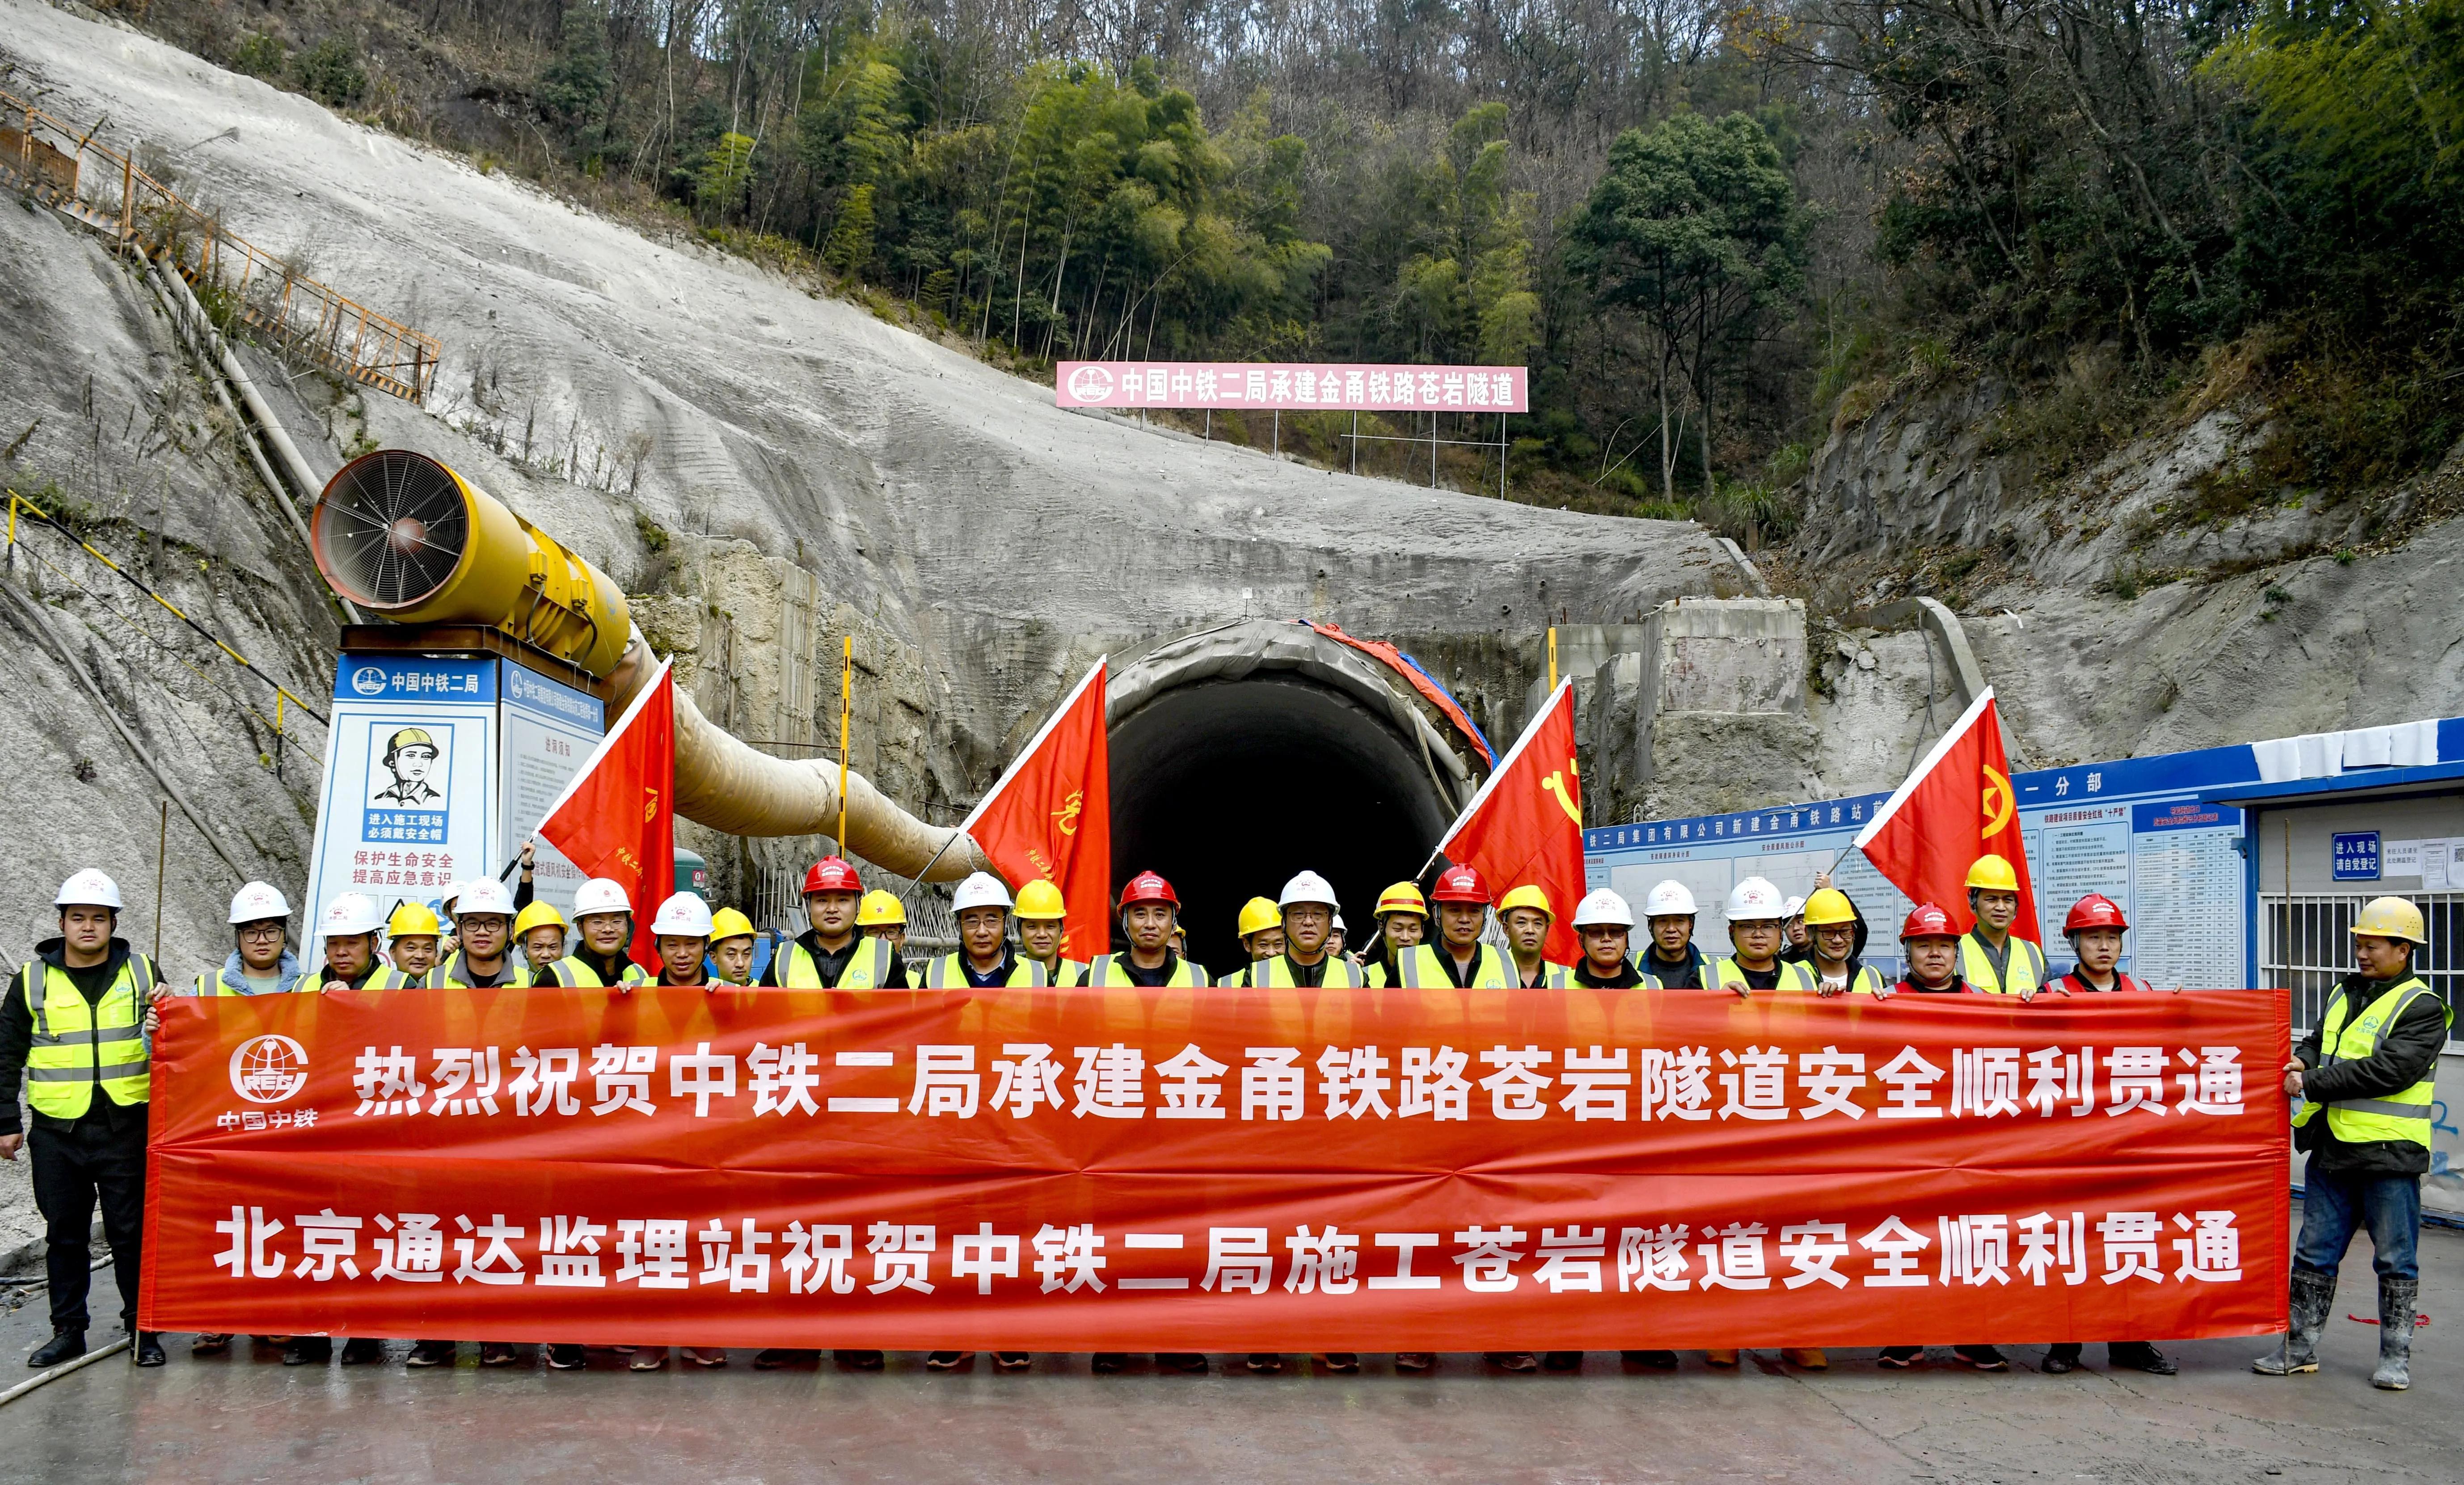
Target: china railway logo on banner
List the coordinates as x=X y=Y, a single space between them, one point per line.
x=1092 y=383
x=269 y=1068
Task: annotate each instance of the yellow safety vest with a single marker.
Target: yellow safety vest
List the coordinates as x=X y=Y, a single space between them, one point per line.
x=1421 y=970
x=79 y=1048
x=312 y=984
x=1105 y=971
x=451 y=976
x=946 y=973
x=1648 y=982
x=1866 y=981
x=2399 y=1116
x=1976 y=966
x=1552 y=977
x=868 y=970
x=1726 y=974
x=573 y=972
x=1276 y=973
x=388 y=977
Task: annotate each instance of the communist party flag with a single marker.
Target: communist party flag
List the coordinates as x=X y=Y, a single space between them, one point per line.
x=1525 y=824
x=1050 y=816
x=1957 y=805
x=617 y=817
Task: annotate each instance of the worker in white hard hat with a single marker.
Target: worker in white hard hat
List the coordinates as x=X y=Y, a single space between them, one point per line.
x=260 y=961
x=1307 y=908
x=1605 y=925
x=604 y=916
x=74 y=1032
x=349 y=932
x=1336 y=939
x=1672 y=957
x=2366 y=1077
x=984 y=957
x=1797 y=938
x=1756 y=914
x=484 y=959
x=1526 y=915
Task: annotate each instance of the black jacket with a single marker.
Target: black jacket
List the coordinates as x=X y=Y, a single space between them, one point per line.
x=2408 y=1052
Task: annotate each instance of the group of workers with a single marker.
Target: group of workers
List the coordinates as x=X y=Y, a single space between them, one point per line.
x=76 y=1025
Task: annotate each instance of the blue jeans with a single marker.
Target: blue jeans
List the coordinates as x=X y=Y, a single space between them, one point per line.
x=2335 y=1204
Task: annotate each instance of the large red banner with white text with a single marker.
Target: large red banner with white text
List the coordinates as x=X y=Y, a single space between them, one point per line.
x=1135 y=1169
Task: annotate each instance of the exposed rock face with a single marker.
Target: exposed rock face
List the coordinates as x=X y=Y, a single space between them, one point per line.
x=771 y=470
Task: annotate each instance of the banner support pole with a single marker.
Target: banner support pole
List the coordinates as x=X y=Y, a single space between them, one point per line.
x=847 y=707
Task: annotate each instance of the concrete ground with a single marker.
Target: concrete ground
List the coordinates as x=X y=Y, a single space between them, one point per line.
x=247 y=1417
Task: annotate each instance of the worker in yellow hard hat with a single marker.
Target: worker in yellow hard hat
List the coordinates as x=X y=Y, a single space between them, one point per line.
x=1526 y=915
x=880 y=915
x=1837 y=933
x=1261 y=937
x=412 y=937
x=1991 y=959
x=731 y=945
x=1043 y=917
x=1402 y=924
x=539 y=929
x=2367 y=1079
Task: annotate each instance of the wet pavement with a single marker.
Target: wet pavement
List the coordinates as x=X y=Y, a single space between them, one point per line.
x=246 y=1417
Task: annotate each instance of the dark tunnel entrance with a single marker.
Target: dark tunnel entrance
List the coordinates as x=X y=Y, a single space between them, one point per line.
x=1228 y=786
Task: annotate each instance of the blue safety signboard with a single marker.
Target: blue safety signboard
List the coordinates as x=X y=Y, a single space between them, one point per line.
x=2357 y=855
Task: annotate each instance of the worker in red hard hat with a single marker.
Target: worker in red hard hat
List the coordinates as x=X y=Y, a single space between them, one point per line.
x=1931 y=943
x=1458 y=958
x=833 y=954
x=2095 y=927
x=1150 y=913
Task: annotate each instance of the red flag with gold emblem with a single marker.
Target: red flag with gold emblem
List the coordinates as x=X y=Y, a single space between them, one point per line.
x=1525 y=824
x=1957 y=805
x=617 y=817
x=1050 y=816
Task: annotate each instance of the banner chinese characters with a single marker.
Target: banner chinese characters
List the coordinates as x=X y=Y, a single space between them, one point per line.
x=1229 y=1169
x=1291 y=387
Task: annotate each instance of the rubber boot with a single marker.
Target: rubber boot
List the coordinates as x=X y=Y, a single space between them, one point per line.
x=2395 y=1334
x=2297 y=1352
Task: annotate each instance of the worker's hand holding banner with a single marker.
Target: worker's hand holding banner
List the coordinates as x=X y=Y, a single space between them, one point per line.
x=1237 y=1169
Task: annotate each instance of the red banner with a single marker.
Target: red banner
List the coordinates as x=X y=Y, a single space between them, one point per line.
x=1078 y=1171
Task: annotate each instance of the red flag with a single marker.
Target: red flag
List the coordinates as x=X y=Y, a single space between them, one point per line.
x=1956 y=806
x=1051 y=816
x=1525 y=824
x=617 y=817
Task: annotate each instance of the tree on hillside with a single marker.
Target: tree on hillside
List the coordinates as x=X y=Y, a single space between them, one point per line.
x=1467 y=296
x=1695 y=230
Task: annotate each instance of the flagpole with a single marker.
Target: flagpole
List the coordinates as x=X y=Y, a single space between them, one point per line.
x=1552 y=658
x=847 y=707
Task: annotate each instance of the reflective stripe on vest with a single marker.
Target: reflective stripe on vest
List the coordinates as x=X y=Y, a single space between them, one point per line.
x=1420 y=969
x=453 y=975
x=2406 y=1115
x=1726 y=974
x=1276 y=973
x=389 y=978
x=946 y=973
x=1552 y=977
x=2027 y=963
x=77 y=1047
x=868 y=969
x=574 y=972
x=1105 y=970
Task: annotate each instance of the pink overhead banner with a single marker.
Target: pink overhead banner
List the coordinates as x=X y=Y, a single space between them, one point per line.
x=1285 y=386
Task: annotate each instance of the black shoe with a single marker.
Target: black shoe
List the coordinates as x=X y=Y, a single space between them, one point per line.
x=1265 y=1361
x=148 y=1349
x=1012 y=1360
x=361 y=1350
x=1900 y=1358
x=567 y=1358
x=67 y=1346
x=778 y=1357
x=1189 y=1363
x=1563 y=1361
x=1512 y=1360
x=2141 y=1356
x=1104 y=1363
x=949 y=1361
x=308 y=1351
x=858 y=1361
x=497 y=1353
x=1342 y=1363
x=2060 y=1360
x=209 y=1344
x=434 y=1353
x=1983 y=1358
x=1657 y=1360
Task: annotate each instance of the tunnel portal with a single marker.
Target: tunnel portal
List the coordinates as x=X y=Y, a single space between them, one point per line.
x=1247 y=754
